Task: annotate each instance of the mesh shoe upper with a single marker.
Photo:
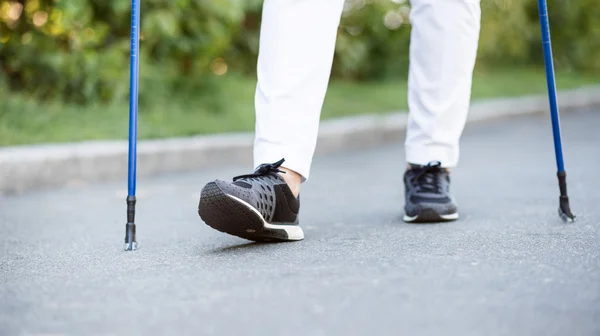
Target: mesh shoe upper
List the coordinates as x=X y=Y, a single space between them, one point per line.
x=267 y=192
x=428 y=187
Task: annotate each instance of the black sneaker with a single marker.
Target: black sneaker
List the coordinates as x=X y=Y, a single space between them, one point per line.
x=257 y=207
x=427 y=194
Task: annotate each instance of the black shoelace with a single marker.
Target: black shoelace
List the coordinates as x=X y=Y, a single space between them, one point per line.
x=427 y=178
x=263 y=170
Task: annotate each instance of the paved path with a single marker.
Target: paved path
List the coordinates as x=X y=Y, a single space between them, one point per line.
x=508 y=267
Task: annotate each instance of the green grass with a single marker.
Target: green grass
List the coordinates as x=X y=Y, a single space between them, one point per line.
x=230 y=107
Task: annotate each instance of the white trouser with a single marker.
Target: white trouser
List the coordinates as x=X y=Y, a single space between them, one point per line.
x=297 y=44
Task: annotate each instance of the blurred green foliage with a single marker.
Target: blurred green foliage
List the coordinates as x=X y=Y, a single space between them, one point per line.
x=78 y=51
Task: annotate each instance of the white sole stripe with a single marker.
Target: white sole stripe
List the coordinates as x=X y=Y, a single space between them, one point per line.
x=294 y=232
x=445 y=217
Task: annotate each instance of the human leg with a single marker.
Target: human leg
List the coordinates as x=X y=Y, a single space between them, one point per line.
x=443 y=50
x=297 y=42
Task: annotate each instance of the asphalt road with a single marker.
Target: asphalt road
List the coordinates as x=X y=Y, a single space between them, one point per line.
x=509 y=266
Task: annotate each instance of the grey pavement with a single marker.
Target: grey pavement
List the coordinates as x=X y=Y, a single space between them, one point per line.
x=509 y=266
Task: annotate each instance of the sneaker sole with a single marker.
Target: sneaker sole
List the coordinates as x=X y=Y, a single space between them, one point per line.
x=234 y=216
x=430 y=216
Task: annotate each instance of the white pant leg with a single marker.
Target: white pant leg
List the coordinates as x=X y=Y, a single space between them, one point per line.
x=445 y=35
x=297 y=43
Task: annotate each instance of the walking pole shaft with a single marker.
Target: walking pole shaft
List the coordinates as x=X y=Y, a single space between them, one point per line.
x=130 y=234
x=564 y=209
x=551 y=82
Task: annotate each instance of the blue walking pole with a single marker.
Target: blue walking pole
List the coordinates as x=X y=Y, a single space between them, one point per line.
x=564 y=209
x=130 y=239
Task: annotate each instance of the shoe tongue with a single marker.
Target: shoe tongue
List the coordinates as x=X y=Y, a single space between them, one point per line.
x=432 y=164
x=279 y=178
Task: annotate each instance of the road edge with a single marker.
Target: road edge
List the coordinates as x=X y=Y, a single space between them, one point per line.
x=25 y=168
